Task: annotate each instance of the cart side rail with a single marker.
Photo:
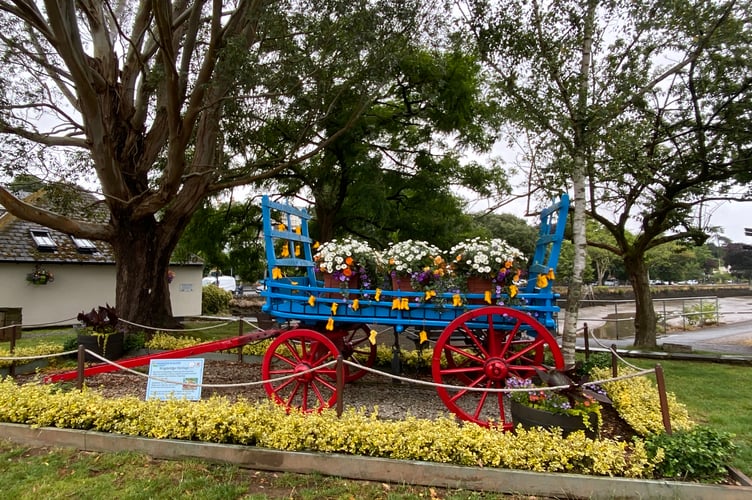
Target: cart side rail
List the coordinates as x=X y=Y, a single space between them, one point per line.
x=553 y=221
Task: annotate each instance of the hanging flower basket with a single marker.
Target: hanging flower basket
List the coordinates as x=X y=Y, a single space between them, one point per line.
x=40 y=276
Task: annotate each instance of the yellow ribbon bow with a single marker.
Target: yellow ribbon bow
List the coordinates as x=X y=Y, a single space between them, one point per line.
x=355 y=304
x=456 y=300
x=405 y=305
x=297 y=250
x=372 y=337
x=551 y=274
x=430 y=294
x=395 y=304
x=311 y=301
x=316 y=245
x=285 y=251
x=281 y=227
x=512 y=291
x=487 y=297
x=330 y=324
x=276 y=273
x=377 y=296
x=423 y=336
x=542 y=281
x=297 y=229
x=334 y=308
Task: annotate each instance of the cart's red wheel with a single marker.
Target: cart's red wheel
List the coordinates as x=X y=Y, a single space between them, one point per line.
x=356 y=347
x=482 y=348
x=295 y=352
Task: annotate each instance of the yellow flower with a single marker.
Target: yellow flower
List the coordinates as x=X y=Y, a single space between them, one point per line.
x=276 y=273
x=316 y=245
x=456 y=300
x=282 y=227
x=512 y=291
x=330 y=324
x=311 y=301
x=430 y=294
x=298 y=229
x=355 y=304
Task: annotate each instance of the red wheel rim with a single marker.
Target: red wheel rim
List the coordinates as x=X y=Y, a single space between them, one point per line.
x=295 y=352
x=482 y=348
x=356 y=347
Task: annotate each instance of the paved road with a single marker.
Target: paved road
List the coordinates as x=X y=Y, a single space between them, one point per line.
x=733 y=334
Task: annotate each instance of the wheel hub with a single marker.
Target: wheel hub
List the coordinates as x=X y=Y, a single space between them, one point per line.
x=496 y=369
x=300 y=371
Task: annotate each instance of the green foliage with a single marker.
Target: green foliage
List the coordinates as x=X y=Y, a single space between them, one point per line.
x=214 y=300
x=697 y=454
x=267 y=425
x=703 y=313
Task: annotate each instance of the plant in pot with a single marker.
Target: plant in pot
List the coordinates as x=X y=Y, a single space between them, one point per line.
x=571 y=406
x=417 y=266
x=348 y=263
x=486 y=266
x=99 y=333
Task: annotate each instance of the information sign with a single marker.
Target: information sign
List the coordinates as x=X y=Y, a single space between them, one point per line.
x=175 y=378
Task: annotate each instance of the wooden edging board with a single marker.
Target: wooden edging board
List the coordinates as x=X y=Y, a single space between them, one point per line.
x=375 y=469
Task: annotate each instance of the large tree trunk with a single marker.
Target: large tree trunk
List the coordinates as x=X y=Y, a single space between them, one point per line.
x=645 y=317
x=142 y=292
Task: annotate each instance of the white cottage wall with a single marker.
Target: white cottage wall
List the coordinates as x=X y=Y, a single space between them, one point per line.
x=80 y=287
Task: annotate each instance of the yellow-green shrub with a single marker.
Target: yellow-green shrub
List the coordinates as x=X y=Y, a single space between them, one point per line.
x=22 y=351
x=267 y=425
x=637 y=401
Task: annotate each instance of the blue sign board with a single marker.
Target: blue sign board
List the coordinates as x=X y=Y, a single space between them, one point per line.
x=175 y=378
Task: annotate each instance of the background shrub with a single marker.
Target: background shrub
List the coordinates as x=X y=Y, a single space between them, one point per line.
x=700 y=453
x=214 y=300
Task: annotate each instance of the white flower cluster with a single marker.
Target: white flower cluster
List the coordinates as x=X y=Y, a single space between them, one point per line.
x=411 y=256
x=333 y=255
x=483 y=256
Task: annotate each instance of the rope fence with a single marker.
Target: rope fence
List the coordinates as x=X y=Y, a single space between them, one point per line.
x=340 y=363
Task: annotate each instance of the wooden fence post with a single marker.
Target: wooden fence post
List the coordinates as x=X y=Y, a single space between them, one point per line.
x=661 y=382
x=586 y=337
x=340 y=384
x=12 y=350
x=81 y=359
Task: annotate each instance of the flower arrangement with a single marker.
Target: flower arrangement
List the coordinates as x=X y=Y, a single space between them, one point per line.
x=572 y=400
x=40 y=276
x=347 y=258
x=411 y=256
x=483 y=257
x=491 y=260
x=421 y=263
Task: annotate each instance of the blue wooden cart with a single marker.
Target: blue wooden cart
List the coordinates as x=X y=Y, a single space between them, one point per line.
x=477 y=345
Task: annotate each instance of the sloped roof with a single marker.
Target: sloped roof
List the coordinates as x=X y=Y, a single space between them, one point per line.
x=17 y=244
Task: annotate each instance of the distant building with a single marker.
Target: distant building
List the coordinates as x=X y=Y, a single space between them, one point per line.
x=52 y=276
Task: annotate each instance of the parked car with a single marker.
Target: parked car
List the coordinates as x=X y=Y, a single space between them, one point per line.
x=224 y=282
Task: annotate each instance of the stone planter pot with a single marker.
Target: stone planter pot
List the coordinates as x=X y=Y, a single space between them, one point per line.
x=330 y=282
x=402 y=284
x=533 y=417
x=479 y=285
x=107 y=345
